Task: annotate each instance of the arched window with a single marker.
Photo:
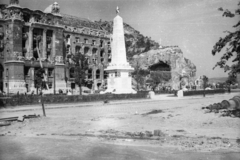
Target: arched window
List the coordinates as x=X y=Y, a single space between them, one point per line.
x=68 y=37
x=77 y=49
x=98 y=74
x=86 y=50
x=71 y=73
x=102 y=53
x=94 y=50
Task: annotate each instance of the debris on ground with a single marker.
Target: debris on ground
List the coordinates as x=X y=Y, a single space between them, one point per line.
x=7 y=121
x=106 y=101
x=230 y=108
x=4 y=123
x=153 y=112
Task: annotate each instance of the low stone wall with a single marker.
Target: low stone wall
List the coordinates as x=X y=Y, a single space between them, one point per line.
x=201 y=92
x=19 y=100
x=165 y=92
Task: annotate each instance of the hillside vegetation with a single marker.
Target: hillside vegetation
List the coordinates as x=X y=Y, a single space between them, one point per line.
x=136 y=43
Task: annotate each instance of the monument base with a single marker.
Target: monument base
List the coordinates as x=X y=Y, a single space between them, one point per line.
x=119 y=85
x=120 y=91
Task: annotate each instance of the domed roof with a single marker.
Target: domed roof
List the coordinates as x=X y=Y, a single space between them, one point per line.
x=48 y=9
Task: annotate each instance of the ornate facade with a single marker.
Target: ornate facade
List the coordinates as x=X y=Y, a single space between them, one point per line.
x=57 y=36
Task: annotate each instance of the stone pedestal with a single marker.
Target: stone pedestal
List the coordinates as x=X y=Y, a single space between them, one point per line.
x=14 y=77
x=119 y=81
x=60 y=78
x=180 y=93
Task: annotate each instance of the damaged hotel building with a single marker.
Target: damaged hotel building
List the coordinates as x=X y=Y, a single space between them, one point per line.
x=58 y=36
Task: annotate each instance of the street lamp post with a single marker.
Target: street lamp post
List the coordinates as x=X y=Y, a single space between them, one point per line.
x=7 y=75
x=54 y=79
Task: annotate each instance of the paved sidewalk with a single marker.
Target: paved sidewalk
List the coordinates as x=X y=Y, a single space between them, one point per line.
x=164 y=97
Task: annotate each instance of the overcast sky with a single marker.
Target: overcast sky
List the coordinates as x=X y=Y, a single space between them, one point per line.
x=193 y=25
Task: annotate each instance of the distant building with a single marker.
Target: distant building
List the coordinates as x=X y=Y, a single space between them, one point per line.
x=59 y=36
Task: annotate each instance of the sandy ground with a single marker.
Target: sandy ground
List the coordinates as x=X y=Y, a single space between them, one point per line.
x=183 y=125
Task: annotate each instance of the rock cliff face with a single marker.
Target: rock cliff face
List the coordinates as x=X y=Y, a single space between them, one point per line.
x=182 y=69
x=135 y=42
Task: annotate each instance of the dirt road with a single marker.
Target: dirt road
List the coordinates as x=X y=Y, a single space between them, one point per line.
x=184 y=128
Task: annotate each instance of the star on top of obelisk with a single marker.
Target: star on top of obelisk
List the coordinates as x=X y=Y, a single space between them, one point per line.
x=117 y=10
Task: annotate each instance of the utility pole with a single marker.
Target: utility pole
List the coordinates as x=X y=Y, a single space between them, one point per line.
x=7 y=74
x=54 y=79
x=45 y=79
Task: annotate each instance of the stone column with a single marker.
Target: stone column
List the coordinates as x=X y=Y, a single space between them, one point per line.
x=44 y=51
x=53 y=44
x=30 y=42
x=32 y=87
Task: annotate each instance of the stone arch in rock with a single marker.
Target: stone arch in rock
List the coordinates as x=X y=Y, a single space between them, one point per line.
x=160 y=66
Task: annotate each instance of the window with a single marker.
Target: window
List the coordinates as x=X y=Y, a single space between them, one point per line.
x=86 y=49
x=26 y=71
x=98 y=74
x=88 y=61
x=94 y=60
x=109 y=47
x=50 y=72
x=102 y=53
x=94 y=50
x=68 y=50
x=73 y=85
x=50 y=85
x=71 y=73
x=109 y=58
x=105 y=75
x=129 y=74
x=77 y=40
x=7 y=72
x=68 y=37
x=101 y=43
x=77 y=49
x=93 y=42
x=89 y=74
x=117 y=74
x=86 y=41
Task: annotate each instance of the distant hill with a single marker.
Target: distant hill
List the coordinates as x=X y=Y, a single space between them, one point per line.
x=136 y=43
x=217 y=79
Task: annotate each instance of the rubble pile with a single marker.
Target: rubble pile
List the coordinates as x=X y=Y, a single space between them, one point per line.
x=225 y=108
x=7 y=121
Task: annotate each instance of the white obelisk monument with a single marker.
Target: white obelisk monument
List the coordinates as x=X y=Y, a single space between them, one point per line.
x=119 y=79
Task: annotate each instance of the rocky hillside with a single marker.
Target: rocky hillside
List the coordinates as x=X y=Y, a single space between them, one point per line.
x=182 y=69
x=142 y=50
x=135 y=42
